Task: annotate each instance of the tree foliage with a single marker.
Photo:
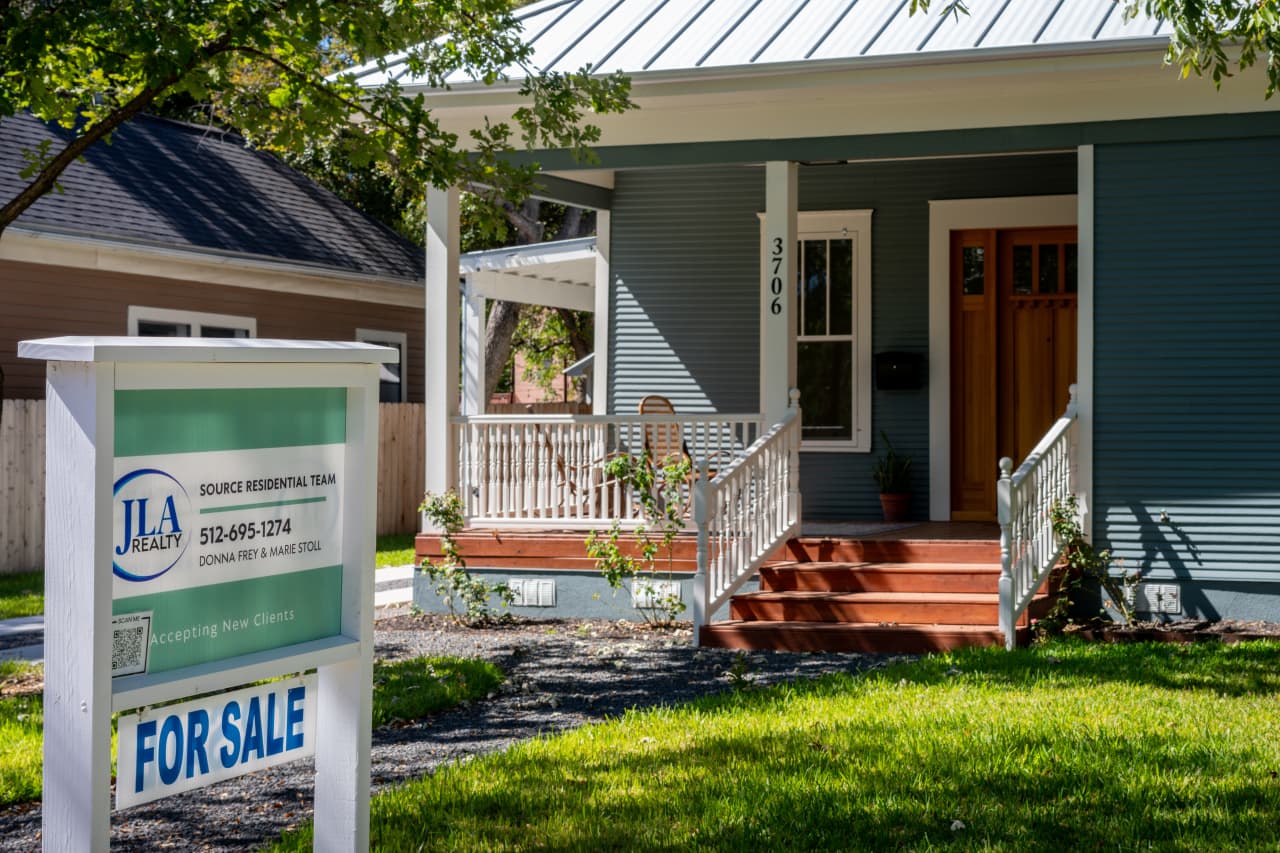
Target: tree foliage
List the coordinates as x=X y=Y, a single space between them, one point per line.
x=269 y=68
x=1216 y=38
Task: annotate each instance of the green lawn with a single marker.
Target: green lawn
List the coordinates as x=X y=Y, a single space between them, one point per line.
x=395 y=550
x=1064 y=746
x=21 y=594
x=403 y=690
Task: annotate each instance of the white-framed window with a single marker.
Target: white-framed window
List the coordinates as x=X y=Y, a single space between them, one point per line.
x=176 y=323
x=833 y=329
x=392 y=378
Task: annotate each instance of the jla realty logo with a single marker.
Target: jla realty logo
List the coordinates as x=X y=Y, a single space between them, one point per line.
x=152 y=510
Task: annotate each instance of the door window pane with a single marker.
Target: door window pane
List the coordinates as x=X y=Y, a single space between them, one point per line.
x=1070 y=283
x=1022 y=278
x=815 y=287
x=1049 y=268
x=824 y=372
x=973 y=260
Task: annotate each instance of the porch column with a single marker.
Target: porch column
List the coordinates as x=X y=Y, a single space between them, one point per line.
x=473 y=326
x=777 y=290
x=441 y=325
x=600 y=364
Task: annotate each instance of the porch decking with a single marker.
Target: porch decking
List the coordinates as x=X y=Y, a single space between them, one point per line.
x=836 y=587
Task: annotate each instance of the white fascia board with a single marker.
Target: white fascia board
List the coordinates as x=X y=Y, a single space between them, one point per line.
x=37 y=246
x=89 y=348
x=879 y=99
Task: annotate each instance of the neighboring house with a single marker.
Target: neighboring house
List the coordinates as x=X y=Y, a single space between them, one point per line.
x=1021 y=198
x=174 y=229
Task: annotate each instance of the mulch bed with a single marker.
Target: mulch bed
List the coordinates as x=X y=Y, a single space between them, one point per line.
x=1181 y=631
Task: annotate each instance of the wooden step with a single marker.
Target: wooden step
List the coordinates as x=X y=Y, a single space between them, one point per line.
x=916 y=608
x=850 y=637
x=829 y=550
x=881 y=577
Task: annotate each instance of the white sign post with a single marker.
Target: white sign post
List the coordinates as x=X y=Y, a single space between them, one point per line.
x=210 y=509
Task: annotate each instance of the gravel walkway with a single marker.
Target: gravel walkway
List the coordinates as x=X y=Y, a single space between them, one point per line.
x=559 y=675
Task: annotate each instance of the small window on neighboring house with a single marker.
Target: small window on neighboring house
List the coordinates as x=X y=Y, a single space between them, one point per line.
x=392 y=387
x=833 y=329
x=173 y=323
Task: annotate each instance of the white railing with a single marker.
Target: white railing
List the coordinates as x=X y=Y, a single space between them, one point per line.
x=745 y=513
x=1029 y=549
x=549 y=470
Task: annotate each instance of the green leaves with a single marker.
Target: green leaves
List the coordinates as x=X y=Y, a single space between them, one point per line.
x=280 y=72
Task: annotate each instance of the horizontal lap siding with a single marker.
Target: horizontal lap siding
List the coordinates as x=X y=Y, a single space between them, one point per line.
x=38 y=301
x=686 y=319
x=1187 y=358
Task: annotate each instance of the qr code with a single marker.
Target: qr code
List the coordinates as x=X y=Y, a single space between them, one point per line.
x=130 y=639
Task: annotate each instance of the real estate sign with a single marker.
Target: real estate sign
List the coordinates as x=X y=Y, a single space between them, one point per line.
x=210 y=511
x=227 y=519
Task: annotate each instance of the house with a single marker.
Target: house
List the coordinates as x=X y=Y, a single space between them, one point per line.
x=174 y=229
x=1014 y=201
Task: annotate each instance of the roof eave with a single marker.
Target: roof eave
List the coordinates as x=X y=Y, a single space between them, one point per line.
x=771 y=71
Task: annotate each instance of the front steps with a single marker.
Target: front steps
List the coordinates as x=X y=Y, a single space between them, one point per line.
x=909 y=596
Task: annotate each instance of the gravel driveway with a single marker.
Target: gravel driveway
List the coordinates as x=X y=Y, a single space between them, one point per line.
x=559 y=675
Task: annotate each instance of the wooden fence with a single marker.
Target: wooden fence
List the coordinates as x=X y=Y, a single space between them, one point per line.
x=400 y=477
x=21 y=485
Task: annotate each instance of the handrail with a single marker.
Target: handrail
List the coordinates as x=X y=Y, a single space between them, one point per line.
x=1025 y=499
x=745 y=513
x=527 y=470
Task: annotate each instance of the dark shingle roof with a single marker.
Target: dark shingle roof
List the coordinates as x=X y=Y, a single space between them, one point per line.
x=177 y=185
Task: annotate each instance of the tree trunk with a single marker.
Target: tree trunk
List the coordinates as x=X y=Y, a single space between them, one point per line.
x=498 y=332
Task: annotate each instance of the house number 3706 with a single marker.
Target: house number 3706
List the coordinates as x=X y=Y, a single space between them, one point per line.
x=775 y=282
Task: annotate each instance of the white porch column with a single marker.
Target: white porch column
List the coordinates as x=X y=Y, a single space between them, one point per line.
x=441 y=325
x=778 y=291
x=600 y=364
x=473 y=325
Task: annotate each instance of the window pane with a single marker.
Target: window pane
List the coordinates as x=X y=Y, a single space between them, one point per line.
x=1049 y=268
x=1022 y=281
x=974 y=265
x=1070 y=284
x=841 y=287
x=815 y=288
x=222 y=332
x=153 y=329
x=825 y=376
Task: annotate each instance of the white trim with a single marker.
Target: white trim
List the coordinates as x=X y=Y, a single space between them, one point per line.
x=442 y=325
x=400 y=341
x=945 y=217
x=839 y=223
x=777 y=289
x=1084 y=337
x=32 y=246
x=197 y=320
x=600 y=369
x=918 y=97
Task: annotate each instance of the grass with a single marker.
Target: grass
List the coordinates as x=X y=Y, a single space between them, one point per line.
x=21 y=723
x=21 y=594
x=394 y=549
x=409 y=689
x=403 y=690
x=1063 y=746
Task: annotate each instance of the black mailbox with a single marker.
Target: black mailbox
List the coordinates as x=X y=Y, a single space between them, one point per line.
x=899 y=371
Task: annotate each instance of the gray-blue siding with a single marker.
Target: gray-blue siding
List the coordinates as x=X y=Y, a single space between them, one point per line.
x=1187 y=362
x=685 y=308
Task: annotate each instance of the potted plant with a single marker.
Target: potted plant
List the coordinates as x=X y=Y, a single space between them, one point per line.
x=892 y=473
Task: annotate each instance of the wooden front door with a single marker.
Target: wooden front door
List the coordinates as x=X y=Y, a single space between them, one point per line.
x=1013 y=352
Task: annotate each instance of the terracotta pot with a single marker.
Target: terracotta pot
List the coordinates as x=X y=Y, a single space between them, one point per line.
x=896 y=507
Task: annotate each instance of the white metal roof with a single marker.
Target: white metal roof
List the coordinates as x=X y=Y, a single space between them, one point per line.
x=648 y=36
